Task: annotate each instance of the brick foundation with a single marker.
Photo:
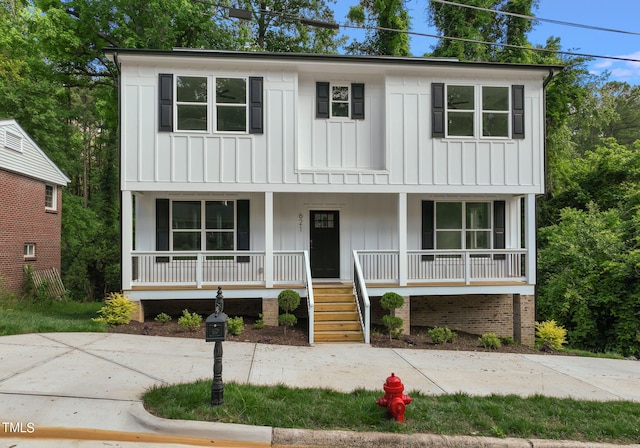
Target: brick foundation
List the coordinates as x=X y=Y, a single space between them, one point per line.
x=524 y=310
x=270 y=311
x=404 y=312
x=476 y=314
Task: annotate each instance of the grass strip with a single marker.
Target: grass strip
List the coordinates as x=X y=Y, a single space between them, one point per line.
x=535 y=417
x=19 y=317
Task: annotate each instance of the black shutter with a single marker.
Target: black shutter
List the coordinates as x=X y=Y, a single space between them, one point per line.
x=256 y=119
x=427 y=229
x=357 y=101
x=322 y=100
x=437 y=110
x=499 y=228
x=165 y=101
x=242 y=235
x=162 y=228
x=517 y=111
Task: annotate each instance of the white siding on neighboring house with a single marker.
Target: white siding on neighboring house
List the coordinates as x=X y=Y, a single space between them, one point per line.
x=30 y=160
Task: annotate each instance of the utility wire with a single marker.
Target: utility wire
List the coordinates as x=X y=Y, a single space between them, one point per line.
x=435 y=36
x=538 y=19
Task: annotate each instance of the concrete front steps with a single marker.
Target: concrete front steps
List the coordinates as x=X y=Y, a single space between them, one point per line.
x=335 y=315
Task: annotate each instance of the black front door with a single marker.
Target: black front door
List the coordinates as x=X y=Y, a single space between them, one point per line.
x=325 y=244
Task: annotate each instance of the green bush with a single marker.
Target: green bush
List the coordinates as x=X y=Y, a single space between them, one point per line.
x=235 y=325
x=490 y=341
x=287 y=320
x=288 y=300
x=163 y=318
x=507 y=340
x=440 y=335
x=259 y=323
x=117 y=310
x=549 y=333
x=189 y=321
x=391 y=301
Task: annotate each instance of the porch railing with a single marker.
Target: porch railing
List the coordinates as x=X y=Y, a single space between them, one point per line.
x=214 y=268
x=308 y=283
x=362 y=298
x=434 y=266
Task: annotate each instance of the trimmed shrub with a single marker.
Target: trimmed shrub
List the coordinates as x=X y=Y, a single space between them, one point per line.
x=235 y=325
x=391 y=301
x=259 y=323
x=490 y=341
x=117 y=310
x=393 y=324
x=440 y=335
x=189 y=321
x=288 y=300
x=163 y=318
x=551 y=334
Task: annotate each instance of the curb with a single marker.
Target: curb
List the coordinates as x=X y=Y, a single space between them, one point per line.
x=330 y=439
x=221 y=431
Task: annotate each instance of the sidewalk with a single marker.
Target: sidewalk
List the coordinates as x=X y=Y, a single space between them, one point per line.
x=95 y=380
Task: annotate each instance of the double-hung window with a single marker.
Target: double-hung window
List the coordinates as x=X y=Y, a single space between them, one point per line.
x=191 y=103
x=203 y=225
x=210 y=104
x=50 y=197
x=463 y=225
x=477 y=111
x=29 y=250
x=340 y=100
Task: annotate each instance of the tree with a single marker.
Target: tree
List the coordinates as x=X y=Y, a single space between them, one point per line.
x=277 y=26
x=385 y=20
x=470 y=24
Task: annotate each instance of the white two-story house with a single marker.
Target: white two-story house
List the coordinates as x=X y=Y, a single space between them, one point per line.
x=342 y=177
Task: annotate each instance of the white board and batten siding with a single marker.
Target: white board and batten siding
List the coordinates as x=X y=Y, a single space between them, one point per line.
x=391 y=150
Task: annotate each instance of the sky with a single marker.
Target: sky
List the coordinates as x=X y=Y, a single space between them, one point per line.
x=621 y=15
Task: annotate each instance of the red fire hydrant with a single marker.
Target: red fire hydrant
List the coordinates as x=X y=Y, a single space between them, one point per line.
x=395 y=401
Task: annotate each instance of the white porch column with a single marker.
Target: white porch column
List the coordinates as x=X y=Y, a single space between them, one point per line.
x=127 y=238
x=402 y=239
x=530 y=236
x=268 y=239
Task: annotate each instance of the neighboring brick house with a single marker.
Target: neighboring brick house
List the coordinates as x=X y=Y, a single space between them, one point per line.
x=30 y=207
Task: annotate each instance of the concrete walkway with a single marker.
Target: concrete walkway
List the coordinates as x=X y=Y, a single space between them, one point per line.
x=93 y=381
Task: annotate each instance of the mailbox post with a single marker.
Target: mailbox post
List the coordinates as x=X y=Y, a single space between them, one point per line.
x=216 y=331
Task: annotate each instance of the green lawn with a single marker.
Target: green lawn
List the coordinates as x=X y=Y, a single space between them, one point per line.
x=459 y=414
x=19 y=317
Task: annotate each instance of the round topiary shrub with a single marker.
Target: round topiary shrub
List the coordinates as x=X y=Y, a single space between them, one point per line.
x=288 y=300
x=391 y=301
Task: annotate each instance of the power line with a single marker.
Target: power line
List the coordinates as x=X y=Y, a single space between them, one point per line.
x=538 y=19
x=334 y=25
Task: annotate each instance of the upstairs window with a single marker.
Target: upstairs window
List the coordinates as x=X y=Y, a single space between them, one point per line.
x=50 y=197
x=340 y=100
x=477 y=111
x=190 y=103
x=231 y=104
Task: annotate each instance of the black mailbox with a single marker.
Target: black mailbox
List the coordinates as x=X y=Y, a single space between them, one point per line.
x=216 y=327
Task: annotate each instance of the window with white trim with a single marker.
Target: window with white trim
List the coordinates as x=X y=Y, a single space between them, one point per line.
x=230 y=106
x=340 y=101
x=29 y=250
x=203 y=225
x=469 y=108
x=50 y=197
x=463 y=225
x=191 y=103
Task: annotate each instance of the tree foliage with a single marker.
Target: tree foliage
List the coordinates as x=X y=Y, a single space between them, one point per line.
x=380 y=17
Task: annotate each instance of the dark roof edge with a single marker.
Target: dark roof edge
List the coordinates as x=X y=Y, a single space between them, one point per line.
x=186 y=52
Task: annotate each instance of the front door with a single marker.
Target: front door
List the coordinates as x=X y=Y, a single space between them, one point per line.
x=325 y=244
